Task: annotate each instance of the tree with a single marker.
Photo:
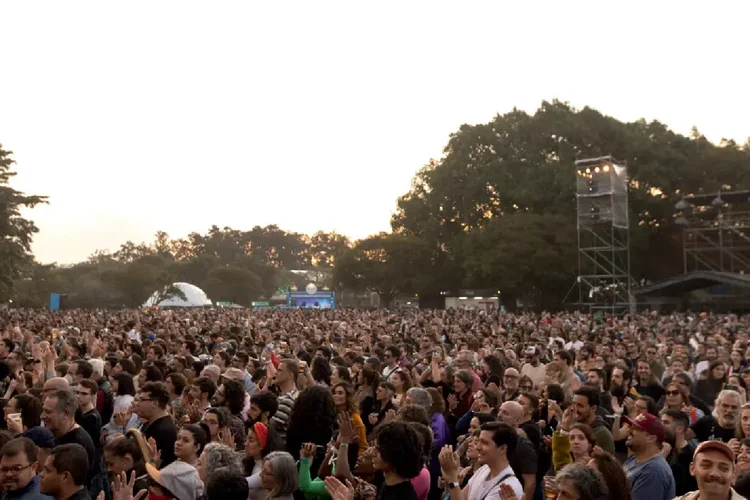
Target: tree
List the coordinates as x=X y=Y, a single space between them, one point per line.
x=233 y=284
x=388 y=264
x=16 y=232
x=325 y=248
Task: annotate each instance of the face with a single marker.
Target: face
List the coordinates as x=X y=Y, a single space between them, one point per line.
x=472 y=448
x=54 y=420
x=677 y=367
x=16 y=471
x=641 y=406
x=50 y=479
x=487 y=450
x=712 y=354
x=212 y=421
x=580 y=445
x=201 y=468
x=651 y=353
x=255 y=412
x=283 y=375
x=339 y=396
x=219 y=397
x=145 y=405
x=674 y=397
x=728 y=410
x=736 y=358
x=637 y=439
x=566 y=490
x=382 y=394
x=252 y=445
x=117 y=465
x=644 y=371
x=582 y=408
x=669 y=423
x=745 y=422
x=719 y=371
x=458 y=385
x=526 y=385
x=593 y=377
x=744 y=456
x=141 y=377
x=185 y=448
x=83 y=396
x=714 y=473
x=266 y=476
x=510 y=380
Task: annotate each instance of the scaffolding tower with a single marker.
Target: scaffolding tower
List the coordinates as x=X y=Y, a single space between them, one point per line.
x=604 y=282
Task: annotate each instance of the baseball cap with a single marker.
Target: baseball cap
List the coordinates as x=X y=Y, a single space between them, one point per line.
x=234 y=374
x=180 y=478
x=714 y=445
x=648 y=423
x=41 y=436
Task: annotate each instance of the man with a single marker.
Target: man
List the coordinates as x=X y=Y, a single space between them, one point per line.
x=723 y=427
x=153 y=399
x=87 y=416
x=649 y=473
x=511 y=378
x=6 y=347
x=64 y=473
x=533 y=368
x=714 y=471
x=392 y=355
x=596 y=377
x=569 y=380
x=105 y=400
x=585 y=403
x=285 y=380
x=676 y=423
x=154 y=353
x=79 y=370
x=202 y=390
x=620 y=381
x=58 y=414
x=523 y=460
x=263 y=406
x=54 y=384
x=18 y=470
x=647 y=384
x=240 y=361
x=655 y=361
x=530 y=404
x=222 y=359
x=497 y=441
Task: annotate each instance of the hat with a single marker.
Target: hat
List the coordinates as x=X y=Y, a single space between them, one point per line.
x=180 y=478
x=41 y=436
x=648 y=423
x=714 y=445
x=531 y=351
x=234 y=374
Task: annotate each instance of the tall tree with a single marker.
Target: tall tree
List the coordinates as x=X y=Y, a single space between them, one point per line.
x=16 y=232
x=325 y=248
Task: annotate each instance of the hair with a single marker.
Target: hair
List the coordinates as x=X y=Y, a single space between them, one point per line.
x=222 y=417
x=586 y=432
x=710 y=371
x=414 y=413
x=266 y=401
x=420 y=396
x=225 y=357
x=565 y=356
x=465 y=377
x=66 y=401
x=394 y=351
x=591 y=394
x=684 y=392
x=226 y=484
x=502 y=435
x=273 y=443
x=437 y=402
x=679 y=417
x=292 y=365
x=217 y=455
x=125 y=445
x=495 y=365
x=351 y=405
x=179 y=381
x=602 y=376
x=205 y=384
x=30 y=408
x=158 y=351
x=313 y=416
x=327 y=353
x=742 y=485
x=73 y=459
x=284 y=472
x=370 y=377
x=19 y=445
x=555 y=392
x=618 y=484
x=687 y=381
x=199 y=435
x=158 y=391
x=400 y=446
x=533 y=400
x=344 y=374
x=9 y=345
x=589 y=483
x=84 y=368
x=234 y=393
x=90 y=385
x=651 y=406
x=321 y=370
x=98 y=366
x=125 y=384
x=425 y=437
x=128 y=366
x=153 y=374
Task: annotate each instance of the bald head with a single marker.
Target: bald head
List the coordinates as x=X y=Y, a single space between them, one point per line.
x=54 y=384
x=511 y=413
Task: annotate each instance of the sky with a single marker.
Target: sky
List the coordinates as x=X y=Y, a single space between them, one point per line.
x=141 y=116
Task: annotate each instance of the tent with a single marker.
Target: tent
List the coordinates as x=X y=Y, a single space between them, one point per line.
x=194 y=297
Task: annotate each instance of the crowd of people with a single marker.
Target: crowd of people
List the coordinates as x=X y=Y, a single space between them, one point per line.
x=359 y=404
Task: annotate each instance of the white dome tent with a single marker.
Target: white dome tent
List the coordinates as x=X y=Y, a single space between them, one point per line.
x=194 y=297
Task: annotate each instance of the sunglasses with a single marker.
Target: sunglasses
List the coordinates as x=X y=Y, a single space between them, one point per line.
x=673 y=393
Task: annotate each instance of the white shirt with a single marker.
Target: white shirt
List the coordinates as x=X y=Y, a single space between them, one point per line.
x=573 y=345
x=478 y=484
x=134 y=335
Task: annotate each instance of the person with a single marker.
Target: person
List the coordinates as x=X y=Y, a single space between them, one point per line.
x=279 y=476
x=312 y=420
x=63 y=476
x=261 y=440
x=577 y=481
x=123 y=455
x=524 y=458
x=178 y=481
x=533 y=368
x=191 y=439
x=214 y=457
x=263 y=406
x=676 y=424
x=58 y=414
x=226 y=484
x=511 y=379
x=708 y=388
x=530 y=403
x=496 y=443
x=284 y=379
x=648 y=384
x=723 y=426
x=86 y=415
x=650 y=475
x=30 y=409
x=18 y=471
x=585 y=402
x=618 y=485
x=398 y=455
x=714 y=471
x=153 y=399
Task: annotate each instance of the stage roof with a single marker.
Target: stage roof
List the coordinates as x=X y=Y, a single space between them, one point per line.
x=696 y=280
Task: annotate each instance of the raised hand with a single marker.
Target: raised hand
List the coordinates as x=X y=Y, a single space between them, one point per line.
x=452 y=402
x=339 y=490
x=307 y=450
x=346 y=431
x=449 y=463
x=226 y=437
x=122 y=489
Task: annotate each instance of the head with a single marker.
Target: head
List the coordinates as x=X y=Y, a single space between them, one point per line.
x=676 y=396
x=462 y=382
x=646 y=433
x=18 y=463
x=713 y=468
x=86 y=393
x=620 y=381
x=418 y=396
x=511 y=379
x=585 y=402
x=717 y=371
x=287 y=372
x=263 y=406
x=279 y=474
x=530 y=403
x=581 y=440
x=191 y=439
x=58 y=411
x=511 y=413
x=727 y=409
x=496 y=442
x=675 y=422
x=153 y=399
x=122 y=454
x=343 y=397
x=29 y=407
x=398 y=449
x=227 y=484
x=579 y=482
x=65 y=470
x=216 y=456
x=385 y=391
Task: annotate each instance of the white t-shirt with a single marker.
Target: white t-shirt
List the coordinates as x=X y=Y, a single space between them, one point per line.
x=537 y=374
x=479 y=487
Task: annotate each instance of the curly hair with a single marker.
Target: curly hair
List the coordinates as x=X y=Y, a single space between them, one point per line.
x=217 y=455
x=351 y=405
x=234 y=393
x=614 y=476
x=589 y=483
x=400 y=446
x=321 y=370
x=312 y=420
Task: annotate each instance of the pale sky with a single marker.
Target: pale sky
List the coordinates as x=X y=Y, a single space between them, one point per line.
x=140 y=116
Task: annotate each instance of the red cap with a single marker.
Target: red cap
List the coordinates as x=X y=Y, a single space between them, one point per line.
x=648 y=423
x=715 y=445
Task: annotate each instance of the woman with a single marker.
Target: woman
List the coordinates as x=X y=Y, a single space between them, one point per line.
x=492 y=370
x=441 y=433
x=677 y=397
x=460 y=402
x=708 y=388
x=321 y=371
x=618 y=484
x=261 y=441
x=279 y=476
x=123 y=454
x=525 y=384
x=343 y=398
x=737 y=362
x=191 y=439
x=368 y=381
x=383 y=403
x=743 y=457
x=312 y=420
x=215 y=456
x=575 y=445
x=31 y=413
x=123 y=387
x=401 y=383
x=339 y=374
x=737 y=383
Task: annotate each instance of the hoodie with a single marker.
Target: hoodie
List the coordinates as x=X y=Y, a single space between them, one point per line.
x=602 y=435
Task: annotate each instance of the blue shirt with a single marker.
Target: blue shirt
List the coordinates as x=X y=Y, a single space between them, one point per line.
x=650 y=480
x=28 y=492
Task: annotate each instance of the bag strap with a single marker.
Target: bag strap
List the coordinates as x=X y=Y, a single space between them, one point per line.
x=495 y=483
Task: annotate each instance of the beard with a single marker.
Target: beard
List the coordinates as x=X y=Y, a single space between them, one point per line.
x=618 y=391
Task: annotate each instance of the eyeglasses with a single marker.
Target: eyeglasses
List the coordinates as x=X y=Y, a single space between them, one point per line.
x=673 y=393
x=16 y=469
x=211 y=422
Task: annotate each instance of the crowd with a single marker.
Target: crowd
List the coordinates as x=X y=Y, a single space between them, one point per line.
x=354 y=404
